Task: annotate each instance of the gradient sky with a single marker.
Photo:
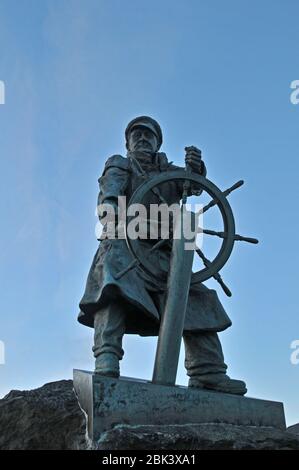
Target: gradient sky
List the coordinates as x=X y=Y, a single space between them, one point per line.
x=214 y=74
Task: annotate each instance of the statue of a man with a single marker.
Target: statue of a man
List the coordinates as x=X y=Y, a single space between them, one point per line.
x=134 y=303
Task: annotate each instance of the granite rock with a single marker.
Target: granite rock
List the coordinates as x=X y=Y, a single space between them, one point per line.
x=46 y=418
x=197 y=437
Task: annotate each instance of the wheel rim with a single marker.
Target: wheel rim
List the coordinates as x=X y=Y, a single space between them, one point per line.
x=227 y=218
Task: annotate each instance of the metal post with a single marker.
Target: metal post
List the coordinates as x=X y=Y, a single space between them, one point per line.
x=172 y=322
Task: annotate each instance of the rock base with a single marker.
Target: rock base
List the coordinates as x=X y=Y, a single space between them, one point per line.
x=197 y=437
x=48 y=418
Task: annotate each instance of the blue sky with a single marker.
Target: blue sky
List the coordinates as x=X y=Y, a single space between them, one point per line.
x=214 y=74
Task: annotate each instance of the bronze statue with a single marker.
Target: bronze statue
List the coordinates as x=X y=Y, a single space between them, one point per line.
x=122 y=296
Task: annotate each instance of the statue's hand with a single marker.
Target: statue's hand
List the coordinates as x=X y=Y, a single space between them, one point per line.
x=193 y=158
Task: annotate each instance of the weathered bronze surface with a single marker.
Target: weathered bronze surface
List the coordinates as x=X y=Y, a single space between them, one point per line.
x=134 y=283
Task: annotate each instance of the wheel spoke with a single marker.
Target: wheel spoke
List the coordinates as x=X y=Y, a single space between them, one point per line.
x=216 y=276
x=225 y=234
x=213 y=232
x=159 y=244
x=225 y=193
x=246 y=239
x=156 y=192
x=205 y=260
x=237 y=185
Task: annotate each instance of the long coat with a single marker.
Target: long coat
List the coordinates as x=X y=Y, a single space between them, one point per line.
x=142 y=298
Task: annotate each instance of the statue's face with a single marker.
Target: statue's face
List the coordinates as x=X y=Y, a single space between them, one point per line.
x=143 y=140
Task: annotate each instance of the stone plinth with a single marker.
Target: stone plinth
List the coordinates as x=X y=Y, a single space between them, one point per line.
x=108 y=402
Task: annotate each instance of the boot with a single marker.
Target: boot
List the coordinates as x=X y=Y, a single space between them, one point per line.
x=219 y=383
x=107 y=364
x=205 y=365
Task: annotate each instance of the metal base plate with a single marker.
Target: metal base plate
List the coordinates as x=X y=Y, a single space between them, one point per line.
x=108 y=402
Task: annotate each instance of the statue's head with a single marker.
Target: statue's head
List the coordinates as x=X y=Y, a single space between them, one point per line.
x=143 y=134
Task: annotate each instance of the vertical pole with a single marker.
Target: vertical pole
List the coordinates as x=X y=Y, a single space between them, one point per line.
x=173 y=318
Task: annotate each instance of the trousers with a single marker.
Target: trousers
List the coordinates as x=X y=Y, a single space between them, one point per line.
x=203 y=351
